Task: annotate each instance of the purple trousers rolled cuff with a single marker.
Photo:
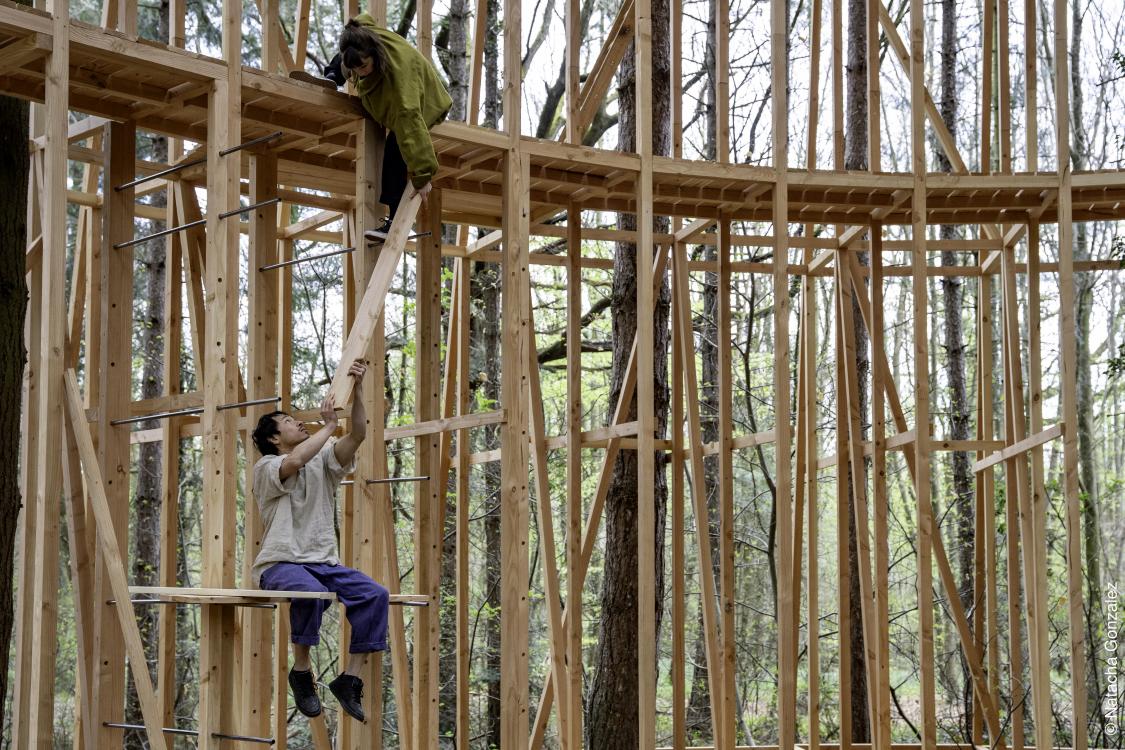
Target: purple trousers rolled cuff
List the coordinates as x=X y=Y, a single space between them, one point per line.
x=364 y=600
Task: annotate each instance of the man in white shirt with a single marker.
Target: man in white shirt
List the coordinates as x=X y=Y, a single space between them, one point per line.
x=295 y=484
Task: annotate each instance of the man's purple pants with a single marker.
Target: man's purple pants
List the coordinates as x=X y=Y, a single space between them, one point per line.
x=364 y=600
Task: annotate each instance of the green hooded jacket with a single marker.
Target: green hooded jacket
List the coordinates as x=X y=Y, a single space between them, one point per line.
x=409 y=100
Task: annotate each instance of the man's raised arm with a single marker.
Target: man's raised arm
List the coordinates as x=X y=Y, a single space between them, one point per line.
x=346 y=446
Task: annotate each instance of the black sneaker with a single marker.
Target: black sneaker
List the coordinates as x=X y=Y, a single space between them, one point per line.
x=306 y=77
x=349 y=692
x=334 y=71
x=380 y=234
x=304 y=692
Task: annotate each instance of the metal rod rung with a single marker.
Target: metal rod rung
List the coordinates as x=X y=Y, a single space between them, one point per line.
x=252 y=142
x=305 y=259
x=166 y=730
x=251 y=207
x=251 y=402
x=161 y=173
x=393 y=480
x=161 y=233
x=192 y=410
x=242 y=738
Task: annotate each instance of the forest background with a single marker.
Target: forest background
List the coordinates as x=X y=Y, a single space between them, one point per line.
x=954 y=67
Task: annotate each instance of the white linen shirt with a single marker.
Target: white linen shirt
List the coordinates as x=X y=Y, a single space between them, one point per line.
x=298 y=514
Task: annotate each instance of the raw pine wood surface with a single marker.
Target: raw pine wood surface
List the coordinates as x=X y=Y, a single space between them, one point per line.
x=518 y=187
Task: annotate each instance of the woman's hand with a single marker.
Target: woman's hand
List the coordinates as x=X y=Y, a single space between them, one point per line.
x=425 y=189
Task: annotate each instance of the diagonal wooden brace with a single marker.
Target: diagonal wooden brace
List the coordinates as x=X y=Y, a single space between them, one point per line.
x=107 y=539
x=375 y=296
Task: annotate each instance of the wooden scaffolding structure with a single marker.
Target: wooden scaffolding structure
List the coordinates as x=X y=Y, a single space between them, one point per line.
x=277 y=140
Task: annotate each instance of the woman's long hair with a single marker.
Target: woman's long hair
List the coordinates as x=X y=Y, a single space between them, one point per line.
x=357 y=42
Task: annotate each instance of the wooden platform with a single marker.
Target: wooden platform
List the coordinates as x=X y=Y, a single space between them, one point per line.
x=165 y=90
x=251 y=596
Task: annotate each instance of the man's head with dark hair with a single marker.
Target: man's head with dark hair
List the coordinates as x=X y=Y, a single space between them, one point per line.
x=360 y=47
x=275 y=430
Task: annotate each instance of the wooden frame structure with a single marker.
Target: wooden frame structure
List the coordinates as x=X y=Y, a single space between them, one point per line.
x=503 y=180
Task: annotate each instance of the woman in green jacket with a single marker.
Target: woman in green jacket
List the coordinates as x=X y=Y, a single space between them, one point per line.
x=401 y=91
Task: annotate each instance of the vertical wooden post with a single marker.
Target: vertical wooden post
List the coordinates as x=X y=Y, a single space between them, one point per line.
x=989 y=636
x=49 y=412
x=921 y=377
x=678 y=464
x=874 y=136
x=727 y=721
x=271 y=36
x=464 y=447
x=261 y=377
x=516 y=316
x=646 y=415
x=116 y=281
x=805 y=476
x=574 y=495
x=170 y=460
x=371 y=457
x=679 y=656
x=428 y=494
x=514 y=453
x=220 y=384
x=987 y=31
x=1069 y=386
x=882 y=689
x=425 y=15
x=573 y=60
x=787 y=624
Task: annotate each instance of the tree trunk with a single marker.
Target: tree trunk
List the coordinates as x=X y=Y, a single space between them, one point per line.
x=456 y=63
x=855 y=157
x=612 y=710
x=13 y=355
x=964 y=486
x=147 y=500
x=485 y=301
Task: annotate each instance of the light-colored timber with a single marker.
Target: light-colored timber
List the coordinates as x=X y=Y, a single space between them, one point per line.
x=308 y=147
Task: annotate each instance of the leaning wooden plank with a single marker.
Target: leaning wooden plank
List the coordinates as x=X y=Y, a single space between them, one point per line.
x=1022 y=446
x=594 y=515
x=375 y=296
x=617 y=43
x=544 y=512
x=107 y=541
x=80 y=537
x=44 y=504
x=953 y=601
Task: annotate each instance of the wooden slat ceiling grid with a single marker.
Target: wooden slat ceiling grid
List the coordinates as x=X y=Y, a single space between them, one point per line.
x=318 y=149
